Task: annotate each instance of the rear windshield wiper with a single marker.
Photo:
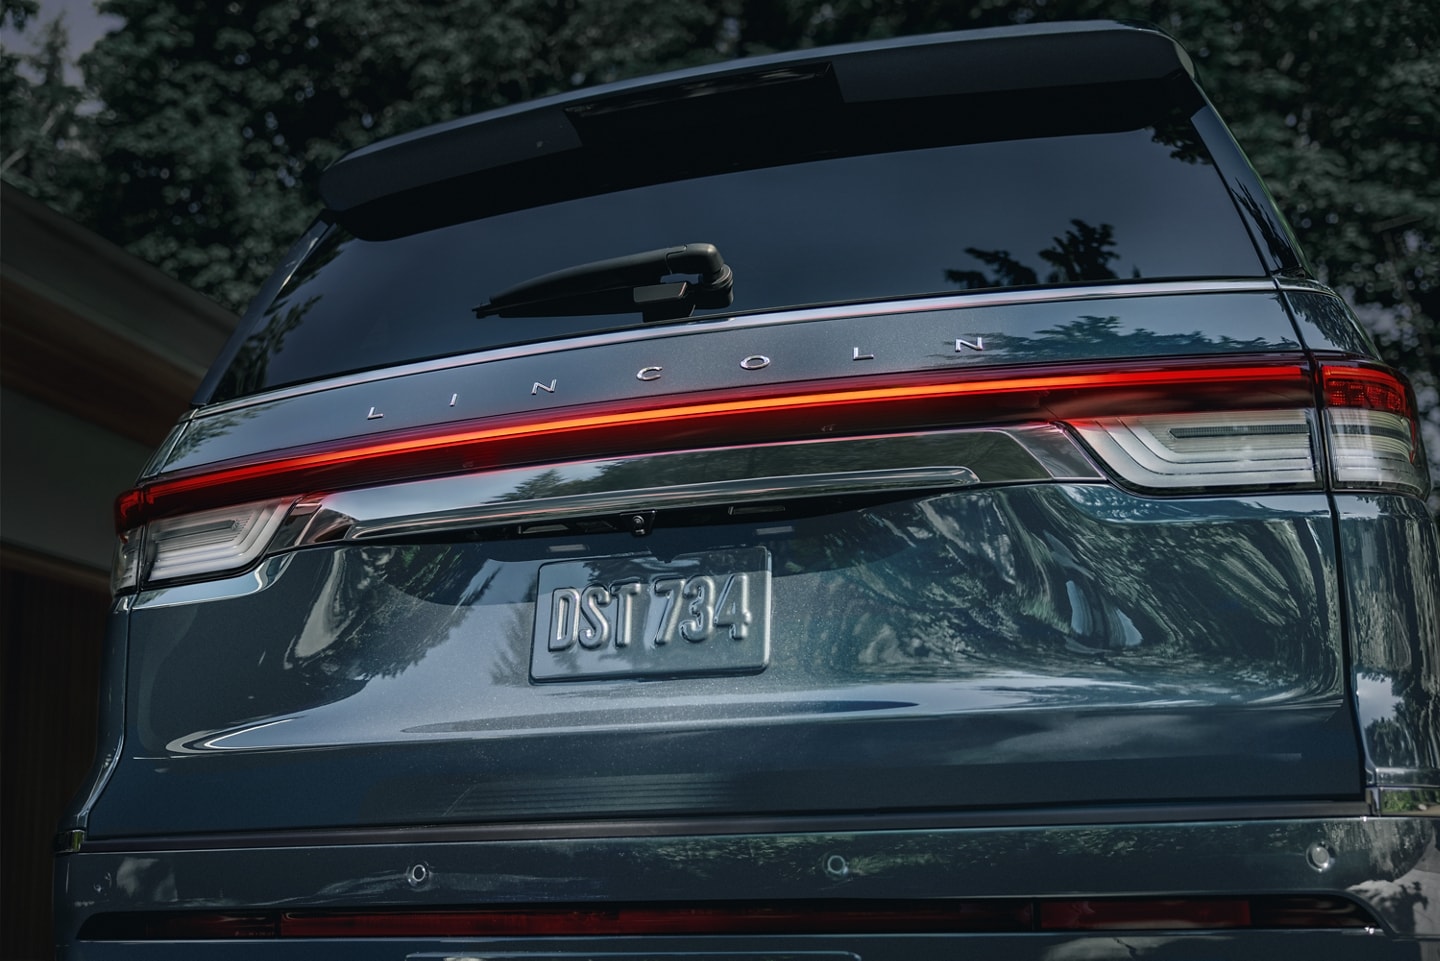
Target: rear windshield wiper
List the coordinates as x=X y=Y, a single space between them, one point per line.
x=621 y=285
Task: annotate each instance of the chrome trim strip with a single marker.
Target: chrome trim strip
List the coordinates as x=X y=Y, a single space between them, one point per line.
x=1055 y=450
x=771 y=319
x=1088 y=818
x=677 y=479
x=1303 y=286
x=172 y=440
x=251 y=582
x=750 y=490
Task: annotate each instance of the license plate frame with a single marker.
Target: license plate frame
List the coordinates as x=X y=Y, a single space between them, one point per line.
x=636 y=616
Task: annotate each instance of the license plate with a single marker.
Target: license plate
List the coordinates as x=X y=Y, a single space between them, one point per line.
x=637 y=616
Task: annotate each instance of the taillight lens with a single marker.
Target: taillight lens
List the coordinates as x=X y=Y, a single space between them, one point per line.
x=205 y=542
x=1373 y=431
x=929 y=399
x=612 y=919
x=129 y=559
x=1164 y=426
x=1370 y=427
x=1203 y=450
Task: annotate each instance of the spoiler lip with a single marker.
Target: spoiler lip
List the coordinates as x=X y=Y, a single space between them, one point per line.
x=972 y=61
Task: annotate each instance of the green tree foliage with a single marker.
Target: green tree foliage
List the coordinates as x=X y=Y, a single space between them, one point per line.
x=43 y=140
x=218 y=117
x=14 y=15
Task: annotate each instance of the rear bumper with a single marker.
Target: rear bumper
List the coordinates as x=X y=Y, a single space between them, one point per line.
x=1390 y=866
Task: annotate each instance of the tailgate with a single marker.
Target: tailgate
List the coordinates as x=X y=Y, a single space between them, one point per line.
x=968 y=646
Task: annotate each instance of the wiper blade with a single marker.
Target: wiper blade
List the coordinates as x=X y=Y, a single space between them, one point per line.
x=634 y=283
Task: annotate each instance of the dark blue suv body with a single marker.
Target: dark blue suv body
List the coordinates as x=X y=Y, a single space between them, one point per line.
x=899 y=501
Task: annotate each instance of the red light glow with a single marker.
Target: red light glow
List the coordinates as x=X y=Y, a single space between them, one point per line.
x=938 y=916
x=796 y=411
x=1366 y=388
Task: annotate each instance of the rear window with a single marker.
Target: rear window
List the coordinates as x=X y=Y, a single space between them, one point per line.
x=1143 y=203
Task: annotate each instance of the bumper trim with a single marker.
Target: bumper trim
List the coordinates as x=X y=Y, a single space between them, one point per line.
x=731 y=826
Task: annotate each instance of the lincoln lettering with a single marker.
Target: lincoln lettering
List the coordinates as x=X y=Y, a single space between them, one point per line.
x=654 y=372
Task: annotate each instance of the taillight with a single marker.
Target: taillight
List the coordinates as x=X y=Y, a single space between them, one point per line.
x=1370 y=430
x=1204 y=450
x=205 y=542
x=1160 y=425
x=1373 y=431
x=792 y=411
x=939 y=916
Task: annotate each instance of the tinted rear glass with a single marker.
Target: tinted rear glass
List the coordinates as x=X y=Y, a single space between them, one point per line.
x=1144 y=203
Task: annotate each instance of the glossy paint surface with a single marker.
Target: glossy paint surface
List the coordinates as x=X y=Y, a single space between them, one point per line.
x=968 y=649
x=1392 y=579
x=754 y=474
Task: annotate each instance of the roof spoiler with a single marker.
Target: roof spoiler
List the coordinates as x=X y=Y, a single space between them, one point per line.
x=950 y=64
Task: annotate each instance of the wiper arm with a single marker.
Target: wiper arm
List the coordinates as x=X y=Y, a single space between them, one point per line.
x=622 y=285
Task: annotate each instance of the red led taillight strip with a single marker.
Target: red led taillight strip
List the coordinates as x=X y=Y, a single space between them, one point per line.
x=793 y=411
x=998 y=915
x=1351 y=385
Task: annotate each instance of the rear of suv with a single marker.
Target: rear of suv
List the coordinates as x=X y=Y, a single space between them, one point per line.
x=898 y=501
